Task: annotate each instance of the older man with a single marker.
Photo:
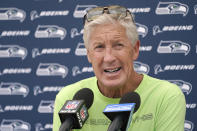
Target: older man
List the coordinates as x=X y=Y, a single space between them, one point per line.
x=112 y=45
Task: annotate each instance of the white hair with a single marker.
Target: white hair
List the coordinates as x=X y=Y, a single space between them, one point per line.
x=126 y=22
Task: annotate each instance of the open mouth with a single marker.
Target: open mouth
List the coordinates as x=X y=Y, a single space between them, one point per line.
x=112 y=70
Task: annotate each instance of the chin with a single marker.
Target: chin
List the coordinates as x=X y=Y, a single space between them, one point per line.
x=112 y=84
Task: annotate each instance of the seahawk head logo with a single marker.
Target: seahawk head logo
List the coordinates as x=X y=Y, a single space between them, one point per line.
x=184 y=86
x=188 y=125
x=171 y=8
x=142 y=29
x=141 y=67
x=12 y=14
x=173 y=46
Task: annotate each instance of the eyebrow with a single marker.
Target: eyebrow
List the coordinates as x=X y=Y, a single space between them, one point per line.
x=97 y=42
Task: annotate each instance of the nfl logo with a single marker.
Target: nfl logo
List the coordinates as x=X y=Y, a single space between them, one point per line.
x=82 y=113
x=72 y=105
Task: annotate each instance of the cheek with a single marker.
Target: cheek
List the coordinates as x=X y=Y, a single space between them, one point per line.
x=127 y=60
x=131 y=55
x=95 y=59
x=125 y=56
x=97 y=65
x=90 y=56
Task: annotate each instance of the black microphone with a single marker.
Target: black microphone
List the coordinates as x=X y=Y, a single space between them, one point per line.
x=74 y=113
x=120 y=114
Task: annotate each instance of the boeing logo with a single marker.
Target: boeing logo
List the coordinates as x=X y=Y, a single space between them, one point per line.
x=50 y=31
x=169 y=8
x=47 y=51
x=34 y=14
x=188 y=126
x=157 y=30
x=16 y=108
x=158 y=68
x=51 y=69
x=80 y=10
x=38 y=90
x=186 y=87
x=76 y=70
x=15 y=33
x=15 y=71
x=173 y=46
x=12 y=14
x=139 y=10
x=10 y=51
x=142 y=29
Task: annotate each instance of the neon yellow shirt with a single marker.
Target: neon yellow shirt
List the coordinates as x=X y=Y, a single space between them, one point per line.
x=162 y=106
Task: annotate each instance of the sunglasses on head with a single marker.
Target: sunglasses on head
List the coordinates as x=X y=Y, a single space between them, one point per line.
x=93 y=13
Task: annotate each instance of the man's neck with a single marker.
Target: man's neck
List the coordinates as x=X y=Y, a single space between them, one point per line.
x=120 y=91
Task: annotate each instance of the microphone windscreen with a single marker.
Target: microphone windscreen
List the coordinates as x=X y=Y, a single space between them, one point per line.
x=85 y=94
x=131 y=97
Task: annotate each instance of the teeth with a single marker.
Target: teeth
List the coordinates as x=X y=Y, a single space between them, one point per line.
x=114 y=70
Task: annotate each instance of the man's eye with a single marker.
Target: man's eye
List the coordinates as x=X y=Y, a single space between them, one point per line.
x=99 y=46
x=118 y=45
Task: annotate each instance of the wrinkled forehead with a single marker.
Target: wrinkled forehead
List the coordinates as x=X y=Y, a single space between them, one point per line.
x=107 y=27
x=110 y=32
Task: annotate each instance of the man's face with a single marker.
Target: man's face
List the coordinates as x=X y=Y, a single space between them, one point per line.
x=111 y=54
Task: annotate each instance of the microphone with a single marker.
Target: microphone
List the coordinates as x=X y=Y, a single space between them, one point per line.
x=121 y=114
x=74 y=112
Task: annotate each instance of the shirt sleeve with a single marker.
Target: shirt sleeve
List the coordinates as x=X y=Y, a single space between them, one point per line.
x=171 y=114
x=56 y=120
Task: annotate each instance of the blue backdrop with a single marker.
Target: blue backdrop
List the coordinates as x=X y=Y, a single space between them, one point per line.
x=41 y=51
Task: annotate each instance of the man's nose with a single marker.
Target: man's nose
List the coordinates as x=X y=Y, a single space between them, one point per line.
x=109 y=55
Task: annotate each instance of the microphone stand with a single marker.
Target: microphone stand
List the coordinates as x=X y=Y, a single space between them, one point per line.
x=67 y=124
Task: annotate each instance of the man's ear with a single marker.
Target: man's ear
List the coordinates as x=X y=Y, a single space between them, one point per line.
x=88 y=56
x=136 y=50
